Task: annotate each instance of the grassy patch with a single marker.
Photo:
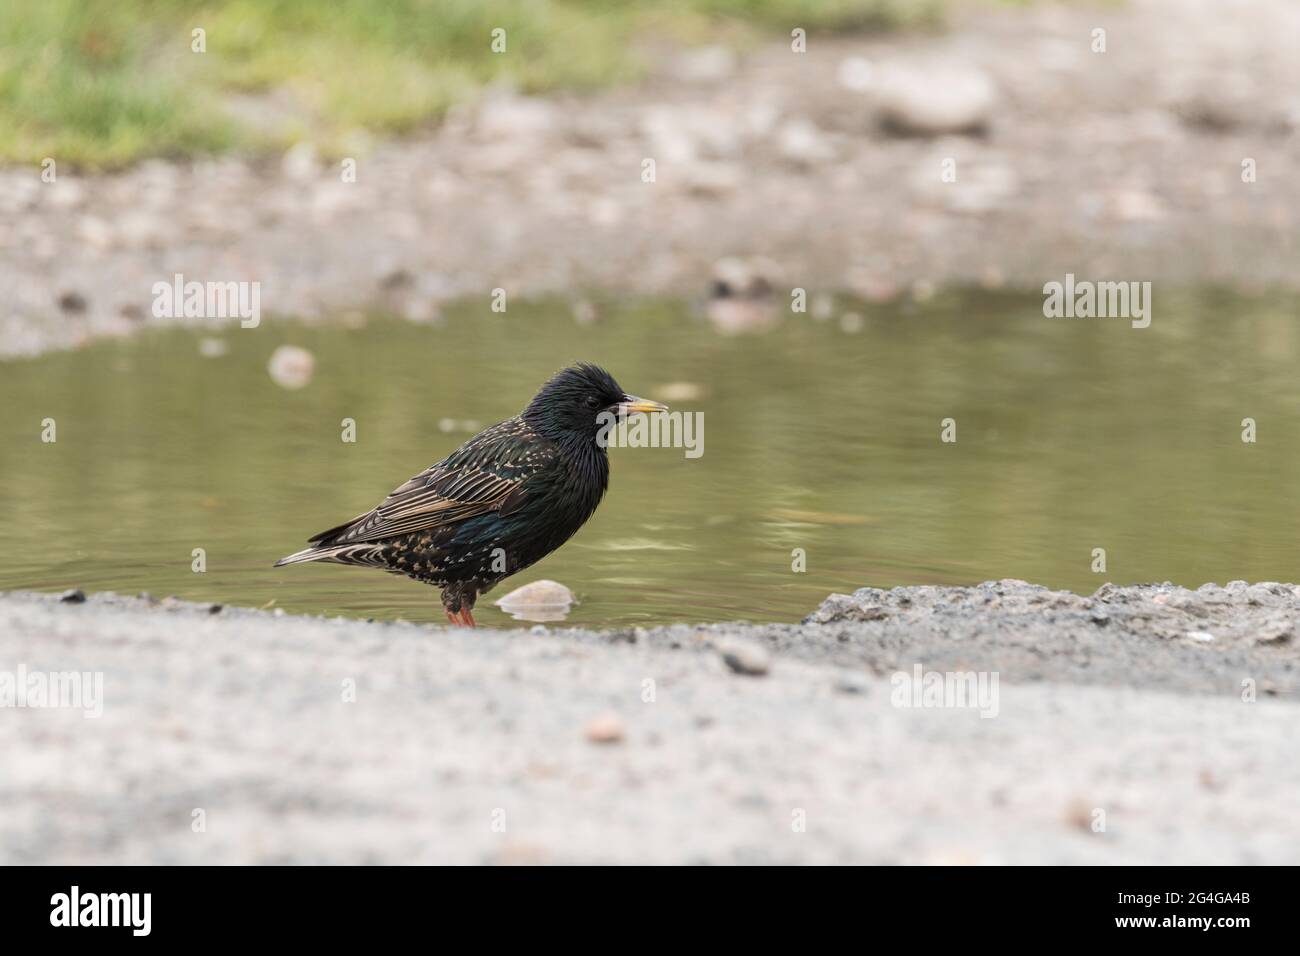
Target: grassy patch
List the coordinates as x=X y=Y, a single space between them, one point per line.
x=100 y=83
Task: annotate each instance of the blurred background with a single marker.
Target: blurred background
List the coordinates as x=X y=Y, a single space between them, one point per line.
x=649 y=186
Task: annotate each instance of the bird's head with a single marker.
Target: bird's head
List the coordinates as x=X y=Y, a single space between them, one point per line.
x=578 y=401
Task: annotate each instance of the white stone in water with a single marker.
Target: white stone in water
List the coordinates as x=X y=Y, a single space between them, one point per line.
x=679 y=391
x=291 y=366
x=212 y=348
x=542 y=600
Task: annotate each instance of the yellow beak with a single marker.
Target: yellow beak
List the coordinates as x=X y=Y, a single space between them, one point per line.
x=631 y=405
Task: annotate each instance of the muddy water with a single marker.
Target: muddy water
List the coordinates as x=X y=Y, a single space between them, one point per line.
x=822 y=448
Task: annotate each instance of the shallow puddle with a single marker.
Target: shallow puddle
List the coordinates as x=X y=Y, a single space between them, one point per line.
x=821 y=446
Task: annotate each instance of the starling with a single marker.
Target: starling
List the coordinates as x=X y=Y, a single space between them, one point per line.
x=499 y=503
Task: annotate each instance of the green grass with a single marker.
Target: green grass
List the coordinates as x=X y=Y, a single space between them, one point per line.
x=101 y=83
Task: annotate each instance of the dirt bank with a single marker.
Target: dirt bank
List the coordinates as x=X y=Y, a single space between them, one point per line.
x=1125 y=164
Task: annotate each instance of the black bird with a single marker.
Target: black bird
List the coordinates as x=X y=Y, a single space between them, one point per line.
x=502 y=501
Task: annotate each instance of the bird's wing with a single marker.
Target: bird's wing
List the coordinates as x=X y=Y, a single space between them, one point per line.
x=485 y=474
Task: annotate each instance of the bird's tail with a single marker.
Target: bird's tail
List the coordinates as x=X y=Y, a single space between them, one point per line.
x=314 y=553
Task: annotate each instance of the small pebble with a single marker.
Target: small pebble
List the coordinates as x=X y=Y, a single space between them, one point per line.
x=1203 y=636
x=606 y=728
x=679 y=392
x=851 y=682
x=1276 y=631
x=745 y=657
x=72 y=301
x=73 y=596
x=291 y=367
x=213 y=348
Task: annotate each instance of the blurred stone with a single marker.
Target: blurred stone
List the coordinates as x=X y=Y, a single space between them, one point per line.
x=1275 y=631
x=330 y=199
x=584 y=313
x=855 y=73
x=65 y=193
x=132 y=310
x=708 y=64
x=710 y=179
x=741 y=296
x=851 y=682
x=423 y=311
x=745 y=657
x=1136 y=205
x=142 y=230
x=678 y=134
x=823 y=307
x=605 y=211
x=396 y=278
x=875 y=289
x=509 y=117
x=800 y=141
x=734 y=277
x=737 y=316
x=679 y=392
x=847 y=607
x=934 y=100
x=95 y=232
x=72 y=301
x=212 y=348
x=291 y=367
x=300 y=162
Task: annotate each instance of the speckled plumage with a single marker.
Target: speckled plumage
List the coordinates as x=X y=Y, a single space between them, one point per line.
x=499 y=503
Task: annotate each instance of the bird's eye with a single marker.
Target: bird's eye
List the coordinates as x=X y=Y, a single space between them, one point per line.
x=593 y=401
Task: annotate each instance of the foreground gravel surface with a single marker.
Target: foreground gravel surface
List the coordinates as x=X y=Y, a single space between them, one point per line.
x=752 y=744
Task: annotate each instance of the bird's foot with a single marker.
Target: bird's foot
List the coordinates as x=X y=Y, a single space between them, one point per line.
x=461 y=618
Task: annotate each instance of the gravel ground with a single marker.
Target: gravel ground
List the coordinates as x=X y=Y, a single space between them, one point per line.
x=1125 y=165
x=753 y=743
